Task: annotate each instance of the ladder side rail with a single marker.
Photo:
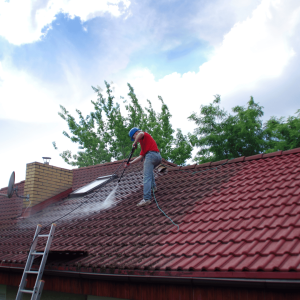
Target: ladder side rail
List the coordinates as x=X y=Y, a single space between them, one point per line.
x=38 y=297
x=43 y=262
x=32 y=249
x=40 y=286
x=35 y=240
x=28 y=263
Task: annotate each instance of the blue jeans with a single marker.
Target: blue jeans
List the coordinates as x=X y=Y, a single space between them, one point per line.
x=152 y=159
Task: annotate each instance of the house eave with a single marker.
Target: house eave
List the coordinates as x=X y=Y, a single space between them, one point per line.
x=287 y=280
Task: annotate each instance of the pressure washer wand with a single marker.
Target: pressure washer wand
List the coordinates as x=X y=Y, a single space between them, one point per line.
x=131 y=153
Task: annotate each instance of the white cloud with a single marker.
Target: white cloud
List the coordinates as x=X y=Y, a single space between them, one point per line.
x=27 y=98
x=28 y=21
x=216 y=18
x=253 y=50
x=24 y=97
x=257 y=49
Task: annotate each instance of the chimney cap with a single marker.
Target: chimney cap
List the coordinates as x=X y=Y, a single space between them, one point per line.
x=46 y=160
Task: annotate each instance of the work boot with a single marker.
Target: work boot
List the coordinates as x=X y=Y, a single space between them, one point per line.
x=144 y=202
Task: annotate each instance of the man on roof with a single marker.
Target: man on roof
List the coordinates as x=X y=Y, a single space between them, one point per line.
x=152 y=159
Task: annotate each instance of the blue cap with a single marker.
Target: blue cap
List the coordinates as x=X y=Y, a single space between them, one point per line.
x=132 y=132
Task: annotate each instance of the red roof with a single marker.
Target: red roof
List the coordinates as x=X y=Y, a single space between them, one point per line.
x=236 y=217
x=11 y=208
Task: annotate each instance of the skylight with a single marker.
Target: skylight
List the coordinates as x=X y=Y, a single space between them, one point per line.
x=92 y=186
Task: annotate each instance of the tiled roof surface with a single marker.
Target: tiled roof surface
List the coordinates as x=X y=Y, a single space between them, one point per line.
x=11 y=208
x=238 y=215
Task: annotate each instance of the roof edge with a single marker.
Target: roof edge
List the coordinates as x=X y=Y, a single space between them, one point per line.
x=168 y=277
x=23 y=181
x=268 y=275
x=117 y=162
x=238 y=159
x=104 y=164
x=232 y=282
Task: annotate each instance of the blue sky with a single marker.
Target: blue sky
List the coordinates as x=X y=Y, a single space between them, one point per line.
x=51 y=52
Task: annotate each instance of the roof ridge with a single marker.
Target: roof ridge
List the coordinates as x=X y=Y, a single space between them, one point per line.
x=238 y=159
x=118 y=161
x=104 y=164
x=14 y=184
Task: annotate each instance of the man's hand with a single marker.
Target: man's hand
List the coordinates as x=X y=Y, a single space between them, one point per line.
x=134 y=145
x=126 y=165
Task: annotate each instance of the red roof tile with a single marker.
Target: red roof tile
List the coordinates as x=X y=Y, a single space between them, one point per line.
x=11 y=208
x=234 y=216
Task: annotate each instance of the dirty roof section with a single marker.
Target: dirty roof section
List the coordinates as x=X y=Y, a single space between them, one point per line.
x=11 y=208
x=235 y=216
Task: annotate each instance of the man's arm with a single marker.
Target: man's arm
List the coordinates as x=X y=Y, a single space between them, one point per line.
x=139 y=136
x=139 y=158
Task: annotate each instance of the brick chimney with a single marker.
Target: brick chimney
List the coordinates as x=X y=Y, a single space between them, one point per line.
x=44 y=181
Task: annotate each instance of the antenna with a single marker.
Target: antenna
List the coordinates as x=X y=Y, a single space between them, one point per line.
x=11 y=189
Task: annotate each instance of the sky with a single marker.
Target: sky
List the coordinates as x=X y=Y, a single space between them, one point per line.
x=53 y=51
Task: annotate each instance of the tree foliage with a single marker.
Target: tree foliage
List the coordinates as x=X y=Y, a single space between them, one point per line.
x=102 y=136
x=282 y=133
x=221 y=135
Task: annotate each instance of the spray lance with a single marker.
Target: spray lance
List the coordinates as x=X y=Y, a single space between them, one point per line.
x=131 y=153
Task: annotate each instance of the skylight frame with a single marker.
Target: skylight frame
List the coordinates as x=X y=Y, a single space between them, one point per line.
x=95 y=184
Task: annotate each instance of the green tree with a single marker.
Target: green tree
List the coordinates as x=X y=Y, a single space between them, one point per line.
x=102 y=136
x=282 y=133
x=221 y=135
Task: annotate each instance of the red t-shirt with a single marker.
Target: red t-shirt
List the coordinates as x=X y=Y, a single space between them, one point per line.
x=147 y=144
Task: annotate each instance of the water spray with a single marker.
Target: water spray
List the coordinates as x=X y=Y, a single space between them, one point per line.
x=111 y=197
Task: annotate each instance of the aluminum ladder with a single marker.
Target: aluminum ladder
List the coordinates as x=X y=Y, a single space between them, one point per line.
x=39 y=283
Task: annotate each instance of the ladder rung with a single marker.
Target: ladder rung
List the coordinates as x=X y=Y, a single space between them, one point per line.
x=32 y=272
x=26 y=291
x=37 y=253
x=43 y=235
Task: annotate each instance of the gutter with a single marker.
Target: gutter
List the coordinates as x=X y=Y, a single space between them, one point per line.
x=193 y=281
